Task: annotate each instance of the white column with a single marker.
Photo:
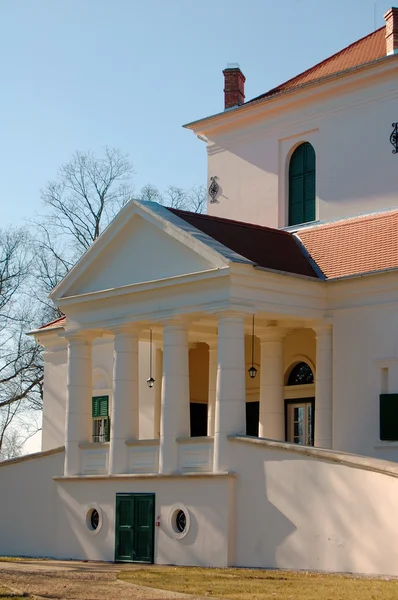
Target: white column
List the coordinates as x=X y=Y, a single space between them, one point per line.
x=230 y=414
x=211 y=399
x=323 y=387
x=158 y=392
x=78 y=417
x=272 y=405
x=124 y=413
x=175 y=395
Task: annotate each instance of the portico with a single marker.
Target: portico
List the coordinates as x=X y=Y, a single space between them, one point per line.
x=176 y=368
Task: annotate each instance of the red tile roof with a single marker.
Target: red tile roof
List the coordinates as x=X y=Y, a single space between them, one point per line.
x=368 y=49
x=354 y=246
x=269 y=248
x=60 y=322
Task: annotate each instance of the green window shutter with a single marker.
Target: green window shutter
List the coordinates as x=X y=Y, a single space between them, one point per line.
x=95 y=407
x=108 y=430
x=302 y=192
x=100 y=406
x=296 y=204
x=389 y=417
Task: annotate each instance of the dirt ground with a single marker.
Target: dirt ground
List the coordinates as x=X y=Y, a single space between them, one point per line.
x=70 y=580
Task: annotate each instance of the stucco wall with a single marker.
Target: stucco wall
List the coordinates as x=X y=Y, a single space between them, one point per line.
x=199 y=373
x=29 y=509
x=207 y=500
x=43 y=517
x=54 y=398
x=307 y=513
x=349 y=129
x=365 y=341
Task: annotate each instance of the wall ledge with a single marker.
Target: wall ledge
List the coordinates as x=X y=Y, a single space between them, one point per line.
x=13 y=461
x=196 y=440
x=150 y=442
x=93 y=445
x=356 y=461
x=128 y=476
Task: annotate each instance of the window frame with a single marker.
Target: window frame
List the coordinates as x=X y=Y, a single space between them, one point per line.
x=101 y=420
x=384 y=437
x=304 y=173
x=309 y=400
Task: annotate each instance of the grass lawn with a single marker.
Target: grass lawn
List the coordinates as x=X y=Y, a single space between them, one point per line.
x=11 y=559
x=6 y=595
x=253 y=584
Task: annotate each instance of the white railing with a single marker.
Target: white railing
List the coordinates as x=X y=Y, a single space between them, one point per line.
x=143 y=456
x=94 y=458
x=195 y=454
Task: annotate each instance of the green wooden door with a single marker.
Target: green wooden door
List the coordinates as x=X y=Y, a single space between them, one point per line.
x=135 y=515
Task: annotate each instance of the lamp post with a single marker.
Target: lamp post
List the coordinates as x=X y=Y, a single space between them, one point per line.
x=252 y=370
x=150 y=381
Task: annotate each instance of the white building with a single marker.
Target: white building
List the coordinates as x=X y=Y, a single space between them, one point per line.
x=295 y=467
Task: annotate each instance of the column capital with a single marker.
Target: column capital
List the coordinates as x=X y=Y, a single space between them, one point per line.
x=233 y=315
x=83 y=336
x=323 y=329
x=180 y=321
x=126 y=329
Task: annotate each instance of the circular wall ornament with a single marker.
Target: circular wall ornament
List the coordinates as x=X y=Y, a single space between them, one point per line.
x=179 y=521
x=93 y=518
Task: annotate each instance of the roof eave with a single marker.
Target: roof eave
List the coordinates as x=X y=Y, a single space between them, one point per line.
x=248 y=106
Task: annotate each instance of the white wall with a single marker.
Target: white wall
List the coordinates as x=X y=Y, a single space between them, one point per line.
x=349 y=129
x=43 y=517
x=207 y=500
x=365 y=340
x=29 y=510
x=297 y=512
x=54 y=398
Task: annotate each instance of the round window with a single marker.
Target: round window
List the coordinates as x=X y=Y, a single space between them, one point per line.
x=94 y=519
x=181 y=521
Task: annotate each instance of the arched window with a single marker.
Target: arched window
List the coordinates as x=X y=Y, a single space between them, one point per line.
x=300 y=374
x=302 y=185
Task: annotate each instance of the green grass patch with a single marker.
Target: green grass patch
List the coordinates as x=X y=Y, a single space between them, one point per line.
x=11 y=559
x=258 y=584
x=7 y=595
x=19 y=559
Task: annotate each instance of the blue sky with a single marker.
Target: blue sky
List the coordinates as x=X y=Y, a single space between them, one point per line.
x=82 y=74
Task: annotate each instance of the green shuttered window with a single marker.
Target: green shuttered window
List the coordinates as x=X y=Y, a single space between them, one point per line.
x=100 y=406
x=389 y=417
x=302 y=192
x=101 y=422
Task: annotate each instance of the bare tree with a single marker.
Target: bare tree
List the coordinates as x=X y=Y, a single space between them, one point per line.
x=20 y=358
x=193 y=199
x=86 y=195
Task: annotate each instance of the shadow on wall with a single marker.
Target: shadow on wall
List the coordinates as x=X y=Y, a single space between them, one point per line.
x=308 y=513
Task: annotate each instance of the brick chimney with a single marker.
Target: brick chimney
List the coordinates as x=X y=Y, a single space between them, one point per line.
x=234 y=86
x=391 y=19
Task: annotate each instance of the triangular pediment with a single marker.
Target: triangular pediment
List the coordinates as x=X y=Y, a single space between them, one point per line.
x=139 y=250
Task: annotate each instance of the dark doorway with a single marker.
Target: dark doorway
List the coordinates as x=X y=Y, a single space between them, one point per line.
x=135 y=515
x=252 y=418
x=198 y=411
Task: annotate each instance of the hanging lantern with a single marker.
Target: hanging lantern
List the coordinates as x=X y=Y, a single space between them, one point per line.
x=252 y=371
x=150 y=381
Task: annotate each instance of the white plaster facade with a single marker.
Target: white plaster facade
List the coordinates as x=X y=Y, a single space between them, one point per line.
x=249 y=500
x=349 y=115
